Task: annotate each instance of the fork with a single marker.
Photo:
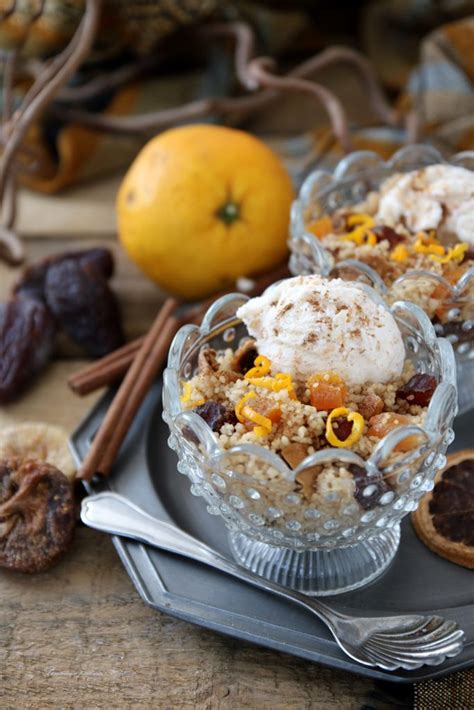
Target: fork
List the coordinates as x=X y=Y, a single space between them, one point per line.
x=389 y=642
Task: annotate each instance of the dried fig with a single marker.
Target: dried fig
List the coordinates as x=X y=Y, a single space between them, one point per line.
x=37 y=515
x=83 y=304
x=27 y=334
x=32 y=282
x=42 y=442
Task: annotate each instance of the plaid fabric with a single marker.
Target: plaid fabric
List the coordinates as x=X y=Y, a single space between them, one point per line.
x=441 y=88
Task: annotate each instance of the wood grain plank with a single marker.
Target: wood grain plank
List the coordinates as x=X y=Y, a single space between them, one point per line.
x=78 y=636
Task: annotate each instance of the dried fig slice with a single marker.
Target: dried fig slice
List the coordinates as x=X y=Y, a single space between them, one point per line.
x=37 y=515
x=444 y=520
x=42 y=442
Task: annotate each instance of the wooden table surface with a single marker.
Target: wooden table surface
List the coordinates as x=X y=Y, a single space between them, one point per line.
x=80 y=637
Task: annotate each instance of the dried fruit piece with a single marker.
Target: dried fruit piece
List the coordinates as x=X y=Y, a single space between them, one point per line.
x=207 y=361
x=444 y=520
x=32 y=282
x=381 y=424
x=418 y=390
x=259 y=411
x=27 y=334
x=335 y=437
x=321 y=227
x=42 y=442
x=385 y=233
x=267 y=408
x=342 y=427
x=215 y=414
x=371 y=405
x=244 y=357
x=294 y=454
x=368 y=489
x=327 y=390
x=80 y=299
x=37 y=515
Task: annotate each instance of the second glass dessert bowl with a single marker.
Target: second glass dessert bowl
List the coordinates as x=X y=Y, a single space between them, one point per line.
x=344 y=541
x=324 y=193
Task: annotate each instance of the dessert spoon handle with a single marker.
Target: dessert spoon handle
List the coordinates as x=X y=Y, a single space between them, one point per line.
x=112 y=513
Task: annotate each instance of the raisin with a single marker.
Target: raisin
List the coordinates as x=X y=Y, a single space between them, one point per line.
x=373 y=486
x=37 y=515
x=385 y=233
x=342 y=428
x=80 y=299
x=215 y=414
x=27 y=334
x=418 y=390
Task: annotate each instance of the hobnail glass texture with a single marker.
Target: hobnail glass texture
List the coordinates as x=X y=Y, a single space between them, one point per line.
x=318 y=549
x=324 y=192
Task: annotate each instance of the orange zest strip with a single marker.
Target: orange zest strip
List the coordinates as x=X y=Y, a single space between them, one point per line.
x=357 y=427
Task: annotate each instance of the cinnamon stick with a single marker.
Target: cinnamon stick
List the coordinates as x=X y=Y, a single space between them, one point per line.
x=141 y=387
x=106 y=370
x=110 y=368
x=131 y=393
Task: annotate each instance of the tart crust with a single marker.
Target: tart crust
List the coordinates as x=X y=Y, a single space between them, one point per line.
x=457 y=552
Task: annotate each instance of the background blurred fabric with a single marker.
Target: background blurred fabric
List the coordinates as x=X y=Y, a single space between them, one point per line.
x=422 y=52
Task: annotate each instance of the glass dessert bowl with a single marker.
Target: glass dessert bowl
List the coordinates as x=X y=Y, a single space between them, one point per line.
x=311 y=475
x=406 y=227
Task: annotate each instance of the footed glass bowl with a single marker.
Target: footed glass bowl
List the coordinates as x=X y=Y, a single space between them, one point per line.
x=343 y=542
x=353 y=178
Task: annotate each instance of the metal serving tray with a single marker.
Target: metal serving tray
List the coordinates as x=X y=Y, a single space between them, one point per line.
x=145 y=472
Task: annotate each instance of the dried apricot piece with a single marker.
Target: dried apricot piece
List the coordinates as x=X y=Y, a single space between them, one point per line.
x=267 y=408
x=321 y=227
x=381 y=424
x=259 y=412
x=327 y=390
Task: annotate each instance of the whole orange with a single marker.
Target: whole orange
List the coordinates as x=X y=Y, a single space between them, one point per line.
x=202 y=205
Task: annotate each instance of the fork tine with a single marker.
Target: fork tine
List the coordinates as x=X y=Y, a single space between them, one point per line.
x=430 y=640
x=449 y=648
x=384 y=661
x=452 y=642
x=431 y=622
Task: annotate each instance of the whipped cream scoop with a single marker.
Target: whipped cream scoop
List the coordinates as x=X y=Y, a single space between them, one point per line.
x=437 y=197
x=309 y=324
